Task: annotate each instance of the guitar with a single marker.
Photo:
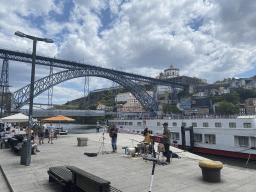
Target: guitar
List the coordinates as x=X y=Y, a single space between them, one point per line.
x=111 y=134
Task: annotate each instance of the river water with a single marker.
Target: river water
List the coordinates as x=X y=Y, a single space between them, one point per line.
x=76 y=128
x=83 y=129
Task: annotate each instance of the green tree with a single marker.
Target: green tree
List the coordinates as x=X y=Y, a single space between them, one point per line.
x=93 y=107
x=171 y=108
x=232 y=97
x=245 y=94
x=254 y=77
x=227 y=108
x=167 y=108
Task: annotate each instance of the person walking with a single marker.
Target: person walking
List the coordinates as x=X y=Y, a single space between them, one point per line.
x=113 y=134
x=45 y=127
x=97 y=127
x=40 y=132
x=51 y=132
x=166 y=141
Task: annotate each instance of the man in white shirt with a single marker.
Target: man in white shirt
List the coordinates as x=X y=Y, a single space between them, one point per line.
x=51 y=130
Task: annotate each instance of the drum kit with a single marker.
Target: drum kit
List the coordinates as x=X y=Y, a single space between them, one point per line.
x=132 y=151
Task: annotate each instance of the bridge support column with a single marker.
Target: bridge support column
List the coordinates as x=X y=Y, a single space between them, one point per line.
x=4 y=84
x=86 y=91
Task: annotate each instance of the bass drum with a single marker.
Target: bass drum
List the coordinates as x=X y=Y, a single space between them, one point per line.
x=130 y=151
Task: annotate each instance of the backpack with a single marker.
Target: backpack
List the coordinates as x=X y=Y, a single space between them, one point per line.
x=91 y=154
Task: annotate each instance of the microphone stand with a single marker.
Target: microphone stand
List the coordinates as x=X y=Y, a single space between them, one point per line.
x=155 y=161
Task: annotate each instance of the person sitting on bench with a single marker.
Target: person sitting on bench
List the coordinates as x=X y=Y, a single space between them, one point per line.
x=34 y=145
x=147 y=142
x=2 y=134
x=13 y=133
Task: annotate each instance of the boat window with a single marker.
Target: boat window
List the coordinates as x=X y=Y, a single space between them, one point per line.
x=130 y=123
x=247 y=125
x=139 y=123
x=205 y=125
x=158 y=124
x=122 y=123
x=174 y=124
x=119 y=123
x=217 y=124
x=126 y=123
x=198 y=138
x=210 y=139
x=194 y=124
x=184 y=124
x=232 y=125
x=175 y=136
x=242 y=141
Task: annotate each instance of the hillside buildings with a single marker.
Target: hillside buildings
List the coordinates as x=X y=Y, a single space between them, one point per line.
x=131 y=105
x=197 y=102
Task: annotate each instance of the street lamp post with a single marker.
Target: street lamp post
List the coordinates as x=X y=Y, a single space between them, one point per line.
x=35 y=39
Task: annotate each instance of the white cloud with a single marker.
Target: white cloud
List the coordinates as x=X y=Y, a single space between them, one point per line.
x=206 y=39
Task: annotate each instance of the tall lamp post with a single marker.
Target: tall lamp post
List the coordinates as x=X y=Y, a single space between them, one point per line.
x=35 y=39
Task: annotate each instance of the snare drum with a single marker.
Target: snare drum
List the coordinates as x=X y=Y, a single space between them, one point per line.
x=157 y=139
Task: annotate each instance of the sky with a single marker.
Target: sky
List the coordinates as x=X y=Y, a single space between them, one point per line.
x=207 y=39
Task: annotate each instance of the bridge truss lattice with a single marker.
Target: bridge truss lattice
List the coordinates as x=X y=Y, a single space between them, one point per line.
x=75 y=70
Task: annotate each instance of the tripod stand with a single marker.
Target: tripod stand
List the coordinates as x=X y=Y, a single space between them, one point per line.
x=102 y=147
x=155 y=161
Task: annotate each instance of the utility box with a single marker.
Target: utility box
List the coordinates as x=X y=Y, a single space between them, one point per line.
x=82 y=141
x=24 y=154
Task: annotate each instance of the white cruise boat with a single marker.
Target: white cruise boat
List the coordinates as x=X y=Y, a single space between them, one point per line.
x=232 y=136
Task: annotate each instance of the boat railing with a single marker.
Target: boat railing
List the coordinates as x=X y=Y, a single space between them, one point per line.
x=178 y=116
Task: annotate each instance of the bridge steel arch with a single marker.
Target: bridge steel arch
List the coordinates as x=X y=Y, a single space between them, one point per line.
x=21 y=96
x=125 y=79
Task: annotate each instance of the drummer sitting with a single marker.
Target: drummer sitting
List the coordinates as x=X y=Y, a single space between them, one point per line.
x=147 y=142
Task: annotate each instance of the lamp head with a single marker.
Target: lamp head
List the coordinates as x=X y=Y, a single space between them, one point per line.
x=48 y=40
x=20 y=34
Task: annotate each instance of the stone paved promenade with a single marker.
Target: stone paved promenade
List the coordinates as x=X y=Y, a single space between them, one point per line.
x=128 y=175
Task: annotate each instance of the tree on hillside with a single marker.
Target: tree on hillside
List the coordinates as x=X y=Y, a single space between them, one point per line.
x=93 y=107
x=232 y=97
x=245 y=94
x=229 y=97
x=254 y=77
x=227 y=108
x=171 y=108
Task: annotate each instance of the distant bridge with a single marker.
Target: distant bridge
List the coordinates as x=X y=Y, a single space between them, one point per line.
x=75 y=70
x=68 y=113
x=73 y=113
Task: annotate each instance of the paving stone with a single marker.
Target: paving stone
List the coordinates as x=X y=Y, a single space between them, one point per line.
x=128 y=175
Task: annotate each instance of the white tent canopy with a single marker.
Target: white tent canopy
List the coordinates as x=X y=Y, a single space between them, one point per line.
x=16 y=118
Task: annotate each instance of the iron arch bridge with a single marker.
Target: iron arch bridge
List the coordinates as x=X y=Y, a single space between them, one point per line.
x=21 y=96
x=75 y=70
